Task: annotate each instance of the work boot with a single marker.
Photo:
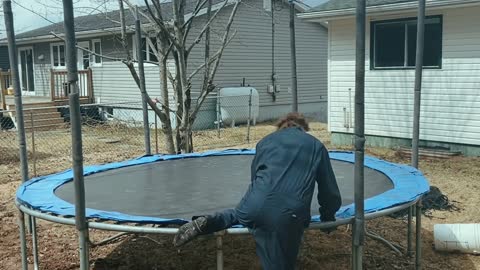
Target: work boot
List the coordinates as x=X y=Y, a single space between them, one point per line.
x=189 y=231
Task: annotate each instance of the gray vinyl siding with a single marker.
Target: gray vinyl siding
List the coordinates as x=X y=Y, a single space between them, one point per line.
x=112 y=47
x=450 y=110
x=249 y=56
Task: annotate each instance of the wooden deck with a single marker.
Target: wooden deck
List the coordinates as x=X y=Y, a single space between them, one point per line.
x=58 y=90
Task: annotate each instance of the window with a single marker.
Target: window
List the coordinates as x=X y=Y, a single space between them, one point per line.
x=394 y=43
x=148 y=53
x=58 y=55
x=97 y=48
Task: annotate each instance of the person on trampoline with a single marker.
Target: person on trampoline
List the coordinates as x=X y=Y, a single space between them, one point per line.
x=276 y=206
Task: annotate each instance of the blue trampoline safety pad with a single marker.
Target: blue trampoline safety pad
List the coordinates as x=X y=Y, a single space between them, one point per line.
x=40 y=193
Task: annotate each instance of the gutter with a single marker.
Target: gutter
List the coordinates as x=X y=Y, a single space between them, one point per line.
x=79 y=35
x=349 y=12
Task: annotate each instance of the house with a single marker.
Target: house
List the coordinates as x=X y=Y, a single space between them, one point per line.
x=258 y=56
x=450 y=101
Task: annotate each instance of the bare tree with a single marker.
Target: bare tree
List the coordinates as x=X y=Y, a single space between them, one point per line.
x=171 y=36
x=172 y=43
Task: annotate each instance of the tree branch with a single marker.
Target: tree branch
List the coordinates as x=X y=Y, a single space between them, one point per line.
x=205 y=27
x=188 y=23
x=209 y=87
x=158 y=18
x=213 y=58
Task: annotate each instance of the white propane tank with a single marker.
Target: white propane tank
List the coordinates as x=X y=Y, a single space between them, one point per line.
x=457 y=237
x=236 y=104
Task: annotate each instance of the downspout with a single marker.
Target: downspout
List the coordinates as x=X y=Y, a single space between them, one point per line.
x=273 y=90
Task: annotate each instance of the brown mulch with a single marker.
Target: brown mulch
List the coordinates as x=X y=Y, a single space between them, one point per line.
x=456 y=177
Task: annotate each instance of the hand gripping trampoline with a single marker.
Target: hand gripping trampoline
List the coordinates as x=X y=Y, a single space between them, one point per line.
x=170 y=189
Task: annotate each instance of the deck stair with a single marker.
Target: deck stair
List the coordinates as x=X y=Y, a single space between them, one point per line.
x=39 y=116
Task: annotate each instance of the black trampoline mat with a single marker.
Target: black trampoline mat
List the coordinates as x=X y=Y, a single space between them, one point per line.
x=183 y=188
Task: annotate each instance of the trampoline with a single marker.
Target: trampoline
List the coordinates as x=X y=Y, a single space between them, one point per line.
x=157 y=194
x=170 y=189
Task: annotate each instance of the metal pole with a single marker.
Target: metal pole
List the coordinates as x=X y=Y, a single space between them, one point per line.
x=249 y=115
x=418 y=238
x=141 y=75
x=293 y=57
x=19 y=118
x=35 y=244
x=218 y=113
x=23 y=240
x=274 y=75
x=359 y=223
x=409 y=231
x=76 y=127
x=219 y=252
x=156 y=134
x=418 y=81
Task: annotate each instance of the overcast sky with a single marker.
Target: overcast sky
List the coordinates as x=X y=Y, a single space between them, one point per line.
x=32 y=14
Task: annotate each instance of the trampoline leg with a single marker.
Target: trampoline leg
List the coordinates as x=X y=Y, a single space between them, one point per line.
x=410 y=232
x=35 y=244
x=23 y=240
x=357 y=257
x=418 y=246
x=219 y=251
x=83 y=249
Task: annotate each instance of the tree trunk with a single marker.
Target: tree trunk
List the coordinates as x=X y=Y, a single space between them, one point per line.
x=167 y=123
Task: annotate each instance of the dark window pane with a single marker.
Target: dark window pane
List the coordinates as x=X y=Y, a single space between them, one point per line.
x=86 y=60
x=433 y=43
x=62 y=55
x=97 y=48
x=144 y=49
x=412 y=44
x=153 y=57
x=55 y=56
x=389 y=45
x=23 y=65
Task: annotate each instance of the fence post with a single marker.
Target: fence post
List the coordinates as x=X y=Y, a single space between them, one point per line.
x=3 y=104
x=52 y=85
x=90 y=85
x=249 y=115
x=32 y=126
x=156 y=134
x=218 y=114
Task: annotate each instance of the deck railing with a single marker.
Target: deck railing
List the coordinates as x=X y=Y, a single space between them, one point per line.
x=59 y=84
x=5 y=82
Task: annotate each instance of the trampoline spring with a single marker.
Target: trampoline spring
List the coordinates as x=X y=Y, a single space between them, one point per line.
x=108 y=240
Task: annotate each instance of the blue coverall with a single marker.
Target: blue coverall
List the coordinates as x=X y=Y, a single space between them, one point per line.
x=276 y=206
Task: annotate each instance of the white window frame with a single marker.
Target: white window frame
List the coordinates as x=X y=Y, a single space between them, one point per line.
x=93 y=60
x=19 y=50
x=51 y=55
x=134 y=52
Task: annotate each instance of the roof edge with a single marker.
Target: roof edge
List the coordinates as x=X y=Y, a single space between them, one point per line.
x=101 y=32
x=348 y=12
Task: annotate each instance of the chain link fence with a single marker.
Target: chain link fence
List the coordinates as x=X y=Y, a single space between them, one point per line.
x=115 y=131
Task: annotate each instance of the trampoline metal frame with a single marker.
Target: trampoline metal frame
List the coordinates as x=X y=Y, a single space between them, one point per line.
x=219 y=235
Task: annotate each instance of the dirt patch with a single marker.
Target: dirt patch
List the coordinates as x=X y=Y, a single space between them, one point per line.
x=11 y=155
x=456 y=177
